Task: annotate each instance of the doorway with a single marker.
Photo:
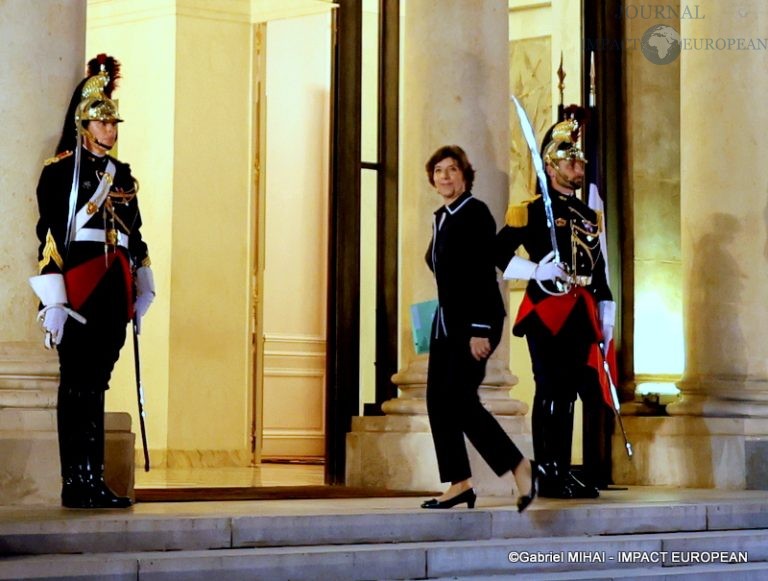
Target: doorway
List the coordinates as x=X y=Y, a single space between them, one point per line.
x=293 y=152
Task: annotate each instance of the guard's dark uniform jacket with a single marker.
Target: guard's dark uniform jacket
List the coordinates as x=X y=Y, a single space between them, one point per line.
x=97 y=263
x=110 y=235
x=577 y=228
x=562 y=331
x=460 y=256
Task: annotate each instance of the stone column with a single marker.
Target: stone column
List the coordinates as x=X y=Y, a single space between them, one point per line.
x=456 y=79
x=724 y=212
x=653 y=194
x=718 y=435
x=456 y=84
x=43 y=61
x=723 y=207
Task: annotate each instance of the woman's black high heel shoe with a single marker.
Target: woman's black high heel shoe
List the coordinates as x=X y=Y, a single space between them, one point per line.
x=467 y=496
x=525 y=500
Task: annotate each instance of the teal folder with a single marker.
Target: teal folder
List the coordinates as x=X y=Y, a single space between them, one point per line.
x=421 y=324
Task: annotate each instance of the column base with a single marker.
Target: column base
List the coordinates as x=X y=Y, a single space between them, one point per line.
x=720 y=405
x=693 y=452
x=31 y=473
x=397 y=453
x=412 y=401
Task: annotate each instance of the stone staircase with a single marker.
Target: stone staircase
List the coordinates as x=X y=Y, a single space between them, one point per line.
x=629 y=534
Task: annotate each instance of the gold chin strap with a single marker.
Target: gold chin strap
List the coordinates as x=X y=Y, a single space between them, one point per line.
x=92 y=142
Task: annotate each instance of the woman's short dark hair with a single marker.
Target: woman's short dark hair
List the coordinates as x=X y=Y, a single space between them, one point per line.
x=456 y=153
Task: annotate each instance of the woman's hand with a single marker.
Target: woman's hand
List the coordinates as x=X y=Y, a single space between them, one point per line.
x=480 y=347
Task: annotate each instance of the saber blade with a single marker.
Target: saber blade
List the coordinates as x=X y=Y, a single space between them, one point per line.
x=538 y=166
x=140 y=395
x=616 y=405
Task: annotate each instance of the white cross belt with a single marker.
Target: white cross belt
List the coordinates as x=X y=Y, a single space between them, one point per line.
x=99 y=235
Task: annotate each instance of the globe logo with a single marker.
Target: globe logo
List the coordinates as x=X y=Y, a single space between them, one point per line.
x=661 y=44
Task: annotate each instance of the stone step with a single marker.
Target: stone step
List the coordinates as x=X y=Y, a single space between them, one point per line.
x=555 y=558
x=30 y=531
x=390 y=538
x=593 y=553
x=744 y=572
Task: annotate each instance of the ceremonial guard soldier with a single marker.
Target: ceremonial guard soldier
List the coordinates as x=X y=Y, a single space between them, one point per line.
x=567 y=312
x=94 y=277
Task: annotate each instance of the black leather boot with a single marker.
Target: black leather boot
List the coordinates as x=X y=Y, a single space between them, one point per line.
x=75 y=492
x=552 y=439
x=69 y=418
x=80 y=417
x=580 y=488
x=99 y=494
x=573 y=487
x=547 y=436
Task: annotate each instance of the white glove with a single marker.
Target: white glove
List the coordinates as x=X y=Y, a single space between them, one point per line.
x=519 y=269
x=52 y=319
x=522 y=269
x=548 y=270
x=53 y=294
x=607 y=312
x=145 y=294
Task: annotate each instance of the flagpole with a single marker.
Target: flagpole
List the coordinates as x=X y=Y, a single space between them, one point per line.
x=595 y=201
x=592 y=88
x=561 y=87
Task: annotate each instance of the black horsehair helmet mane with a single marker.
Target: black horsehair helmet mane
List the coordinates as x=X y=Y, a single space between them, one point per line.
x=68 y=139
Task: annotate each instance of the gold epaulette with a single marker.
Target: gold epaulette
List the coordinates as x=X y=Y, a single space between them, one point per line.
x=599 y=220
x=57 y=158
x=517 y=214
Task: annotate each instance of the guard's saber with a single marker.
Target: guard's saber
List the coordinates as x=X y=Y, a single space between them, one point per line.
x=616 y=404
x=538 y=165
x=140 y=394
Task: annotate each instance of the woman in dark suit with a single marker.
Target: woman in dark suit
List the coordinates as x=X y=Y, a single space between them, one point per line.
x=465 y=331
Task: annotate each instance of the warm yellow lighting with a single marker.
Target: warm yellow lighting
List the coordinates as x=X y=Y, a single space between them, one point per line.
x=659 y=387
x=265 y=10
x=658 y=339
x=659 y=392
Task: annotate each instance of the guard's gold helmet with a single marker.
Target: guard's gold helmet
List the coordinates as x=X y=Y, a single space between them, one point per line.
x=91 y=100
x=95 y=104
x=564 y=144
